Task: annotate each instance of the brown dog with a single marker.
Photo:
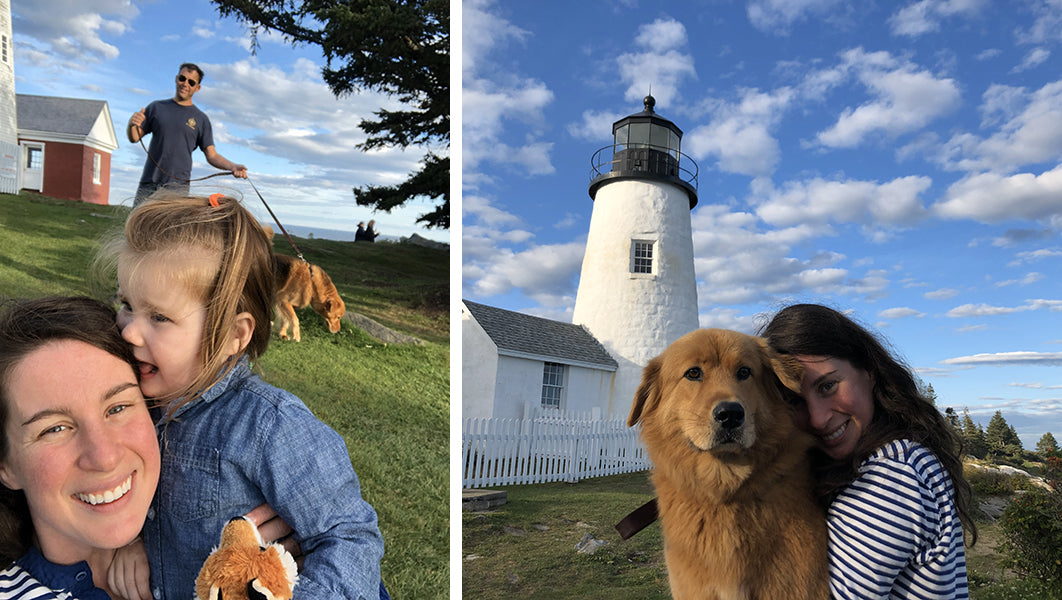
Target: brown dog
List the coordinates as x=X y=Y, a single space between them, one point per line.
x=300 y=284
x=730 y=471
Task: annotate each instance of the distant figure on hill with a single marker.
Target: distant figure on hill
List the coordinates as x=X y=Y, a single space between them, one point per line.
x=365 y=234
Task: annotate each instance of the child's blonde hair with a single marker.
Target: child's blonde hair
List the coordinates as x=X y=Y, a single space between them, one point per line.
x=242 y=282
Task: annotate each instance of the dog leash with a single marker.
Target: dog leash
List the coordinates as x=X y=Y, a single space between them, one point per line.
x=639 y=519
x=218 y=174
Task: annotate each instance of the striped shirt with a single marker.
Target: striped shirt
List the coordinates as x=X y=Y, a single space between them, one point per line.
x=895 y=532
x=32 y=577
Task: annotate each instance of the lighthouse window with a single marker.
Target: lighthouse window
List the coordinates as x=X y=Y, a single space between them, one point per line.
x=552 y=385
x=641 y=257
x=639 y=135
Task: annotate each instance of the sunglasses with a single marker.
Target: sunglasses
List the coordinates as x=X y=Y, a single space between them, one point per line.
x=183 y=79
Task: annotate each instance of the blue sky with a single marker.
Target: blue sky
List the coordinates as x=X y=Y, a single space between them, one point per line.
x=901 y=160
x=270 y=111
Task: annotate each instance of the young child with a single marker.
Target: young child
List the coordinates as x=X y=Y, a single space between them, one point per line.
x=195 y=282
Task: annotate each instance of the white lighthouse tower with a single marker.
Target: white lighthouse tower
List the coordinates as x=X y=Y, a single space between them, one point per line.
x=637 y=289
x=9 y=150
x=8 y=125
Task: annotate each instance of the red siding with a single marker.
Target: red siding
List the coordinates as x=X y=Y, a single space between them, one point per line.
x=68 y=173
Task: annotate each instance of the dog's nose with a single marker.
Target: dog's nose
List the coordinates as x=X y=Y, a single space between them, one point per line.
x=729 y=415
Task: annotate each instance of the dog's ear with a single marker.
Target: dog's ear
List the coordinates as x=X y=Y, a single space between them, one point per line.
x=648 y=394
x=786 y=367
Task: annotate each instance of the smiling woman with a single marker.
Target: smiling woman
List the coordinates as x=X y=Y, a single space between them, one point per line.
x=79 y=460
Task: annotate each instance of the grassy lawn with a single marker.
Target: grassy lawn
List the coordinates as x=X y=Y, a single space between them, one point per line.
x=526 y=548
x=389 y=402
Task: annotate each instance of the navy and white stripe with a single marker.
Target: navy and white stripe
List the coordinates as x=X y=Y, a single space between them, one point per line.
x=895 y=532
x=17 y=584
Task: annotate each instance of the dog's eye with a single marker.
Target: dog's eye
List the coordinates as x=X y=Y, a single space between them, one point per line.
x=694 y=374
x=743 y=373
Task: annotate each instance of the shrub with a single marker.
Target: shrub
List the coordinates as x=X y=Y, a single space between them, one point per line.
x=1032 y=536
x=990 y=483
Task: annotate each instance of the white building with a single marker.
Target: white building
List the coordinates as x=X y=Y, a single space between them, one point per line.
x=512 y=362
x=637 y=290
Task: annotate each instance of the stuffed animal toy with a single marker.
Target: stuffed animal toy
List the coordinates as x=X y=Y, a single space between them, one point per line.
x=244 y=568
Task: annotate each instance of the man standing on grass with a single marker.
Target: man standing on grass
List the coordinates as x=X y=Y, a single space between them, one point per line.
x=178 y=127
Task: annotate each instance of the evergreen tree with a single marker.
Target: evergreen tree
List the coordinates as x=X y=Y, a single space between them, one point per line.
x=1013 y=438
x=1047 y=446
x=952 y=419
x=397 y=47
x=973 y=436
x=929 y=393
x=998 y=431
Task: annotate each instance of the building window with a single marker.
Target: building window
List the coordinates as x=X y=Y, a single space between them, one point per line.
x=34 y=157
x=641 y=256
x=552 y=385
x=3 y=51
x=96 y=168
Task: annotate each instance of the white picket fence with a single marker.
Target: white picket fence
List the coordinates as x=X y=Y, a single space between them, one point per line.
x=548 y=446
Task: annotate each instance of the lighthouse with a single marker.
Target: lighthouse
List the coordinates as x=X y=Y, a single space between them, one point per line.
x=637 y=288
x=8 y=124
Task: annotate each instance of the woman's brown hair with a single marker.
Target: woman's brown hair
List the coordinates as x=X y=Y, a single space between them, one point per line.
x=26 y=326
x=241 y=279
x=901 y=410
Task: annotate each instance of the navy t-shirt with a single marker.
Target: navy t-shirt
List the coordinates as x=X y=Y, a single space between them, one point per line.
x=176 y=131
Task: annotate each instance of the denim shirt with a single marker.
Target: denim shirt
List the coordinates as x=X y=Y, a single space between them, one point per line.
x=245 y=442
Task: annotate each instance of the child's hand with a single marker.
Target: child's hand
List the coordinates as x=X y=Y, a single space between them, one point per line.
x=128 y=576
x=273 y=529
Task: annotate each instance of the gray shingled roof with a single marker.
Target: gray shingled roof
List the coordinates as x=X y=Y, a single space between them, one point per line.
x=551 y=340
x=73 y=116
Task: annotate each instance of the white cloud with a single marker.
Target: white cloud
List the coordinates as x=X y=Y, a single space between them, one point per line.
x=1030 y=131
x=1047 y=27
x=779 y=15
x=904 y=99
x=987 y=310
x=595 y=126
x=661 y=35
x=661 y=66
x=484 y=32
x=900 y=312
x=548 y=270
x=1036 y=255
x=740 y=134
x=486 y=109
x=729 y=318
x=69 y=32
x=995 y=198
x=1008 y=359
x=481 y=209
x=495 y=97
x=941 y=294
x=925 y=16
x=1035 y=58
x=820 y=201
x=1027 y=280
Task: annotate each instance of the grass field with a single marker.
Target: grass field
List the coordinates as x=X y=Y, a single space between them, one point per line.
x=526 y=548
x=389 y=402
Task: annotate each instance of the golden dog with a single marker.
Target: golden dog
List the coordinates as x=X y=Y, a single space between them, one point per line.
x=300 y=284
x=730 y=471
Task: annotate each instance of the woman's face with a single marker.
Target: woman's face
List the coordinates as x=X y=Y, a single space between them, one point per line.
x=839 y=403
x=82 y=448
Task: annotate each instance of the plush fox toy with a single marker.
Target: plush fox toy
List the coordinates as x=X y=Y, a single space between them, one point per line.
x=243 y=568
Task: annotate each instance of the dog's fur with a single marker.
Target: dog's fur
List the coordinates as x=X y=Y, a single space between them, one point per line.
x=300 y=284
x=739 y=519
